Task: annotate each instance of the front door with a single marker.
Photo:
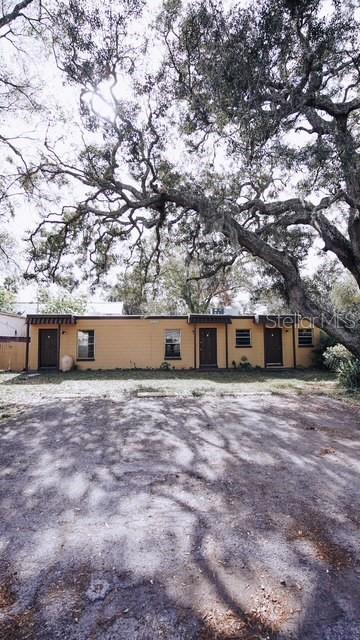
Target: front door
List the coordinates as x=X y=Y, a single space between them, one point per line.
x=208 y=347
x=48 y=348
x=273 y=348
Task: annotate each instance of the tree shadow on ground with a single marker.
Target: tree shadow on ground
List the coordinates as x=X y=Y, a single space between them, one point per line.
x=156 y=518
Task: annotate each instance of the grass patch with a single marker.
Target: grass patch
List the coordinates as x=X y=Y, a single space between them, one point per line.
x=7 y=411
x=194 y=380
x=284 y=376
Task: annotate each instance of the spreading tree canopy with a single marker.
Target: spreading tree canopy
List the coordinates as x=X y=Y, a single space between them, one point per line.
x=179 y=284
x=246 y=134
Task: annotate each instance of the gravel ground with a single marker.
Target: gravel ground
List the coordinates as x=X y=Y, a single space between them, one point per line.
x=180 y=519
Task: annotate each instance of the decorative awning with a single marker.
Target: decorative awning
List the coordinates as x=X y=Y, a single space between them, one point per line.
x=51 y=318
x=208 y=318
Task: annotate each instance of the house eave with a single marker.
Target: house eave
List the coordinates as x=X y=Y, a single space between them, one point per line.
x=51 y=318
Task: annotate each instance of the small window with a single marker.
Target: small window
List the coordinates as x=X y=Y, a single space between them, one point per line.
x=172 y=344
x=243 y=338
x=305 y=337
x=86 y=345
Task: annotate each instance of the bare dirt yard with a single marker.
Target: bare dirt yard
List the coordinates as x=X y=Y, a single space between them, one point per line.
x=120 y=383
x=178 y=518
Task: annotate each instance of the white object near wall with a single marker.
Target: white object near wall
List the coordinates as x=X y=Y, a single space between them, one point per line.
x=67 y=363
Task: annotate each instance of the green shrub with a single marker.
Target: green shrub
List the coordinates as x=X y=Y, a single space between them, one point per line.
x=318 y=352
x=336 y=356
x=349 y=373
x=346 y=365
x=244 y=364
x=165 y=366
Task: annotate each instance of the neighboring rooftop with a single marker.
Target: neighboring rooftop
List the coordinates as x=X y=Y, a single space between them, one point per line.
x=11 y=314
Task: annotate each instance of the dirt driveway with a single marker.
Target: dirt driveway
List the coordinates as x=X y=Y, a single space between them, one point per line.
x=180 y=519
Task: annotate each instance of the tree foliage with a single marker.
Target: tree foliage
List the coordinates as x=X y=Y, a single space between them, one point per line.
x=60 y=302
x=248 y=134
x=9 y=283
x=20 y=23
x=7 y=300
x=178 y=286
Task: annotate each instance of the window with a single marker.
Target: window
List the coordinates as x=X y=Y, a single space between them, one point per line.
x=172 y=344
x=86 y=345
x=305 y=337
x=243 y=338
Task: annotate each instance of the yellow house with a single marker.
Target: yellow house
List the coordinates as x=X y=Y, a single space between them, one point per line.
x=194 y=341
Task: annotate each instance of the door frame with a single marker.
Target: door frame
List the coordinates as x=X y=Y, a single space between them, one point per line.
x=215 y=364
x=56 y=366
x=274 y=364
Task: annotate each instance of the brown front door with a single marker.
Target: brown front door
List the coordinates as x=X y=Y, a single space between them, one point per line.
x=273 y=347
x=208 y=347
x=48 y=348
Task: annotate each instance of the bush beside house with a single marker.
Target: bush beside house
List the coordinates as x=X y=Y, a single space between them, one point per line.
x=347 y=367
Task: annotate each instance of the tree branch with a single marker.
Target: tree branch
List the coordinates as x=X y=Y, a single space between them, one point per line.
x=15 y=13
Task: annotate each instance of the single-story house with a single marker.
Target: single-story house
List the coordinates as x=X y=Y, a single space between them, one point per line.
x=185 y=341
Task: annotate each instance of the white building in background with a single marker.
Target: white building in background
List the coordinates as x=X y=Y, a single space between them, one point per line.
x=12 y=325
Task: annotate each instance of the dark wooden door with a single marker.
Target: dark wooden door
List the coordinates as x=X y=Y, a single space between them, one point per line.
x=273 y=347
x=208 y=347
x=48 y=348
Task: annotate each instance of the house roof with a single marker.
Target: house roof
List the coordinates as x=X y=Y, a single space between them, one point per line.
x=50 y=318
x=212 y=318
x=192 y=318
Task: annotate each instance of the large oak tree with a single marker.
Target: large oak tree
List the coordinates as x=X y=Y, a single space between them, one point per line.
x=248 y=133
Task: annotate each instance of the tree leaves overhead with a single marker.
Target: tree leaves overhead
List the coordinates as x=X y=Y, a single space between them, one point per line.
x=92 y=45
x=250 y=69
x=19 y=22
